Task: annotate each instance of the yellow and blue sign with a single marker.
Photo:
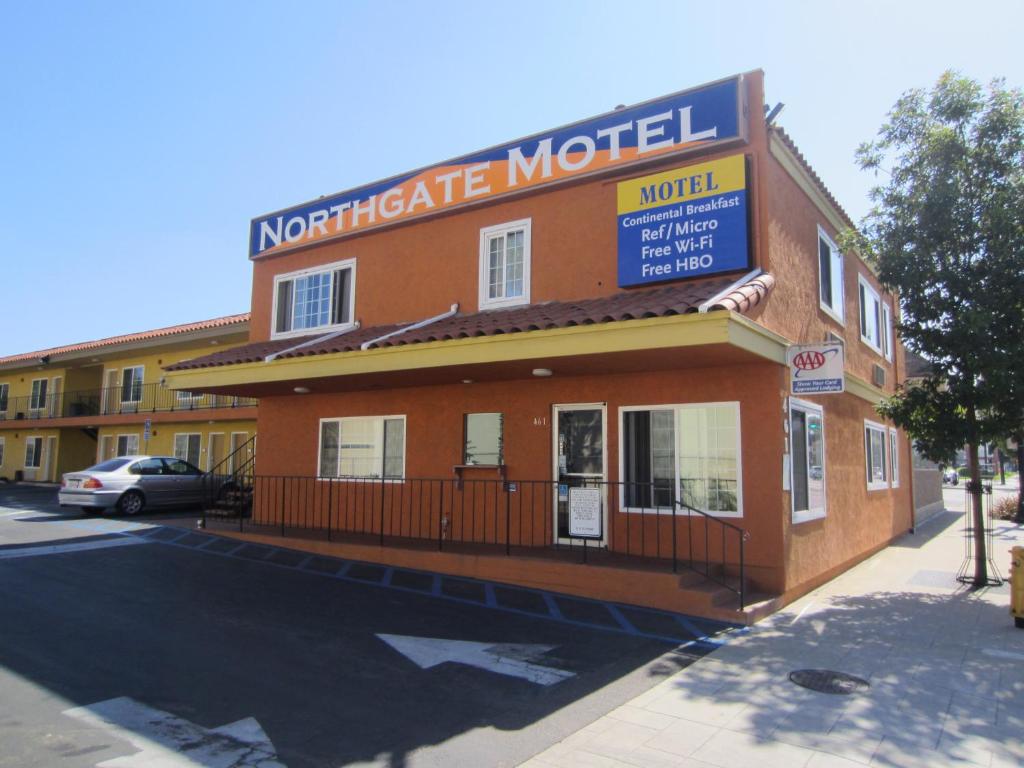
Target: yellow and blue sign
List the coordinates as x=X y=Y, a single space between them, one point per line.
x=674 y=124
x=687 y=222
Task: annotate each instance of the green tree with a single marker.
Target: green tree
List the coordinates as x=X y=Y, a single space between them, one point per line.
x=946 y=232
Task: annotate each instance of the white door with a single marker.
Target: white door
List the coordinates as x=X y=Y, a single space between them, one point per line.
x=580 y=437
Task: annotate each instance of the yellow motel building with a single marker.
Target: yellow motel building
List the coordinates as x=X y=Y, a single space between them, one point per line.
x=66 y=408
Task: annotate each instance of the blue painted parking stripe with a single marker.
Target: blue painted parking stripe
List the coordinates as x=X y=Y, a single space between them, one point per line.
x=621 y=619
x=623 y=624
x=553 y=609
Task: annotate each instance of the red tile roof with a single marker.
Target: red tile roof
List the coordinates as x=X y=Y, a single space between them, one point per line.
x=626 y=305
x=100 y=344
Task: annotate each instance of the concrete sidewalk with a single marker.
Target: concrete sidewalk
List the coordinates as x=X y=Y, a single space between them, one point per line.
x=945 y=666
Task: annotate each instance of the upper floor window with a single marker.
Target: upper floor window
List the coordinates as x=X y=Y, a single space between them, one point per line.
x=131 y=384
x=38 y=398
x=887 y=332
x=313 y=299
x=870 y=315
x=4 y=388
x=830 y=277
x=505 y=264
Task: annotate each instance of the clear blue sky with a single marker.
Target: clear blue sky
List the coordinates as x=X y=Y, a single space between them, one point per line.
x=137 y=140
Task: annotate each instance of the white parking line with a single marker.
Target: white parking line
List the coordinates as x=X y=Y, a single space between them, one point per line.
x=56 y=549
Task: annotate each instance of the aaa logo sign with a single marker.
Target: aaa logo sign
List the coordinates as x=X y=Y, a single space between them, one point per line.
x=816 y=369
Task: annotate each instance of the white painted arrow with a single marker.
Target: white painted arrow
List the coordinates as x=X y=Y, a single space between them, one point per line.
x=503 y=658
x=167 y=741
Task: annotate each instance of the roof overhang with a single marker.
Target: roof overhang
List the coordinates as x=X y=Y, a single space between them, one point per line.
x=714 y=338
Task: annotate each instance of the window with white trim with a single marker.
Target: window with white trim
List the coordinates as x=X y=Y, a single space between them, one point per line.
x=131 y=384
x=33 y=452
x=875 y=458
x=894 y=457
x=318 y=299
x=127 y=445
x=187 y=446
x=363 y=447
x=830 y=278
x=4 y=391
x=870 y=315
x=505 y=264
x=807 y=460
x=1 y=451
x=37 y=400
x=887 y=332
x=689 y=453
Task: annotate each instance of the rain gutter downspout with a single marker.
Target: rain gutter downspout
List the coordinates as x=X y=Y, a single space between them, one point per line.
x=413 y=327
x=707 y=305
x=326 y=337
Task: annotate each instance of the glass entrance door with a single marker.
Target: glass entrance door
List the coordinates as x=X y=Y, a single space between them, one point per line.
x=579 y=459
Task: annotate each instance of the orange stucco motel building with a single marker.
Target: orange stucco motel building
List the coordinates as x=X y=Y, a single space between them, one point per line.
x=573 y=347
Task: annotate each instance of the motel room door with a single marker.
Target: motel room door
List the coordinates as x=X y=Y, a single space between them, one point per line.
x=580 y=463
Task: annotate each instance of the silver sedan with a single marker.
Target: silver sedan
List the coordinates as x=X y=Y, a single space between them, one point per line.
x=134 y=483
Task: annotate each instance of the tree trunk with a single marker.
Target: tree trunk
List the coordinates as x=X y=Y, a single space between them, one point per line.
x=1002 y=469
x=1019 y=439
x=977 y=517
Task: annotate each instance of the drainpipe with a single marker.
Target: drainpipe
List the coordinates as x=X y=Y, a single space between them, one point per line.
x=421 y=324
x=311 y=342
x=707 y=305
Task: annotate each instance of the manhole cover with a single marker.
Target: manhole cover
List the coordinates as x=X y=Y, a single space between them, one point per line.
x=827 y=681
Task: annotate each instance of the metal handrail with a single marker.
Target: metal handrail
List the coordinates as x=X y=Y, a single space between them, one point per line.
x=114 y=401
x=498 y=515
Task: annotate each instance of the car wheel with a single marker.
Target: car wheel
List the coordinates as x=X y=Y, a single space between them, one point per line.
x=131 y=503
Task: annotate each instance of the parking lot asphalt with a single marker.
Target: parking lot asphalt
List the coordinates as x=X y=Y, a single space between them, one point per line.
x=127 y=640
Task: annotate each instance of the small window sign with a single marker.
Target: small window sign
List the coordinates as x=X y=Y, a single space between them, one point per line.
x=585 y=513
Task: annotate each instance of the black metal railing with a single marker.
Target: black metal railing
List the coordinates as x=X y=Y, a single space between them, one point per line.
x=491 y=516
x=110 y=401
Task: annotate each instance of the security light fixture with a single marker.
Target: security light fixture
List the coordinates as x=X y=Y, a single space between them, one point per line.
x=542 y=372
x=301 y=390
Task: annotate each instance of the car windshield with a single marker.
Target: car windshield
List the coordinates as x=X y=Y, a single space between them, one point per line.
x=110 y=465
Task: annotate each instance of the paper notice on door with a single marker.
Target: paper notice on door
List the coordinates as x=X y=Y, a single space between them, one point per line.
x=585 y=513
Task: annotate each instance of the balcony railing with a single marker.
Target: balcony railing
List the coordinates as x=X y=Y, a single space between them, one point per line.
x=114 y=401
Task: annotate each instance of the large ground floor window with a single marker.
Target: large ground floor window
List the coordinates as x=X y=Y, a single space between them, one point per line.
x=363 y=447
x=686 y=453
x=875 y=455
x=188 y=446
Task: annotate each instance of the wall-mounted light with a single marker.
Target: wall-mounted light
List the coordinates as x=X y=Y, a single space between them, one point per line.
x=301 y=390
x=467 y=381
x=542 y=372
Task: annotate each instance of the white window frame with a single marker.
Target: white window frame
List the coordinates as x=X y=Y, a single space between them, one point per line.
x=349 y=264
x=6 y=400
x=805 y=515
x=526 y=225
x=886 y=332
x=142 y=382
x=32 y=401
x=174 y=447
x=676 y=408
x=837 y=313
x=340 y=420
x=894 y=458
x=870 y=293
x=128 y=439
x=874 y=426
x=29 y=440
